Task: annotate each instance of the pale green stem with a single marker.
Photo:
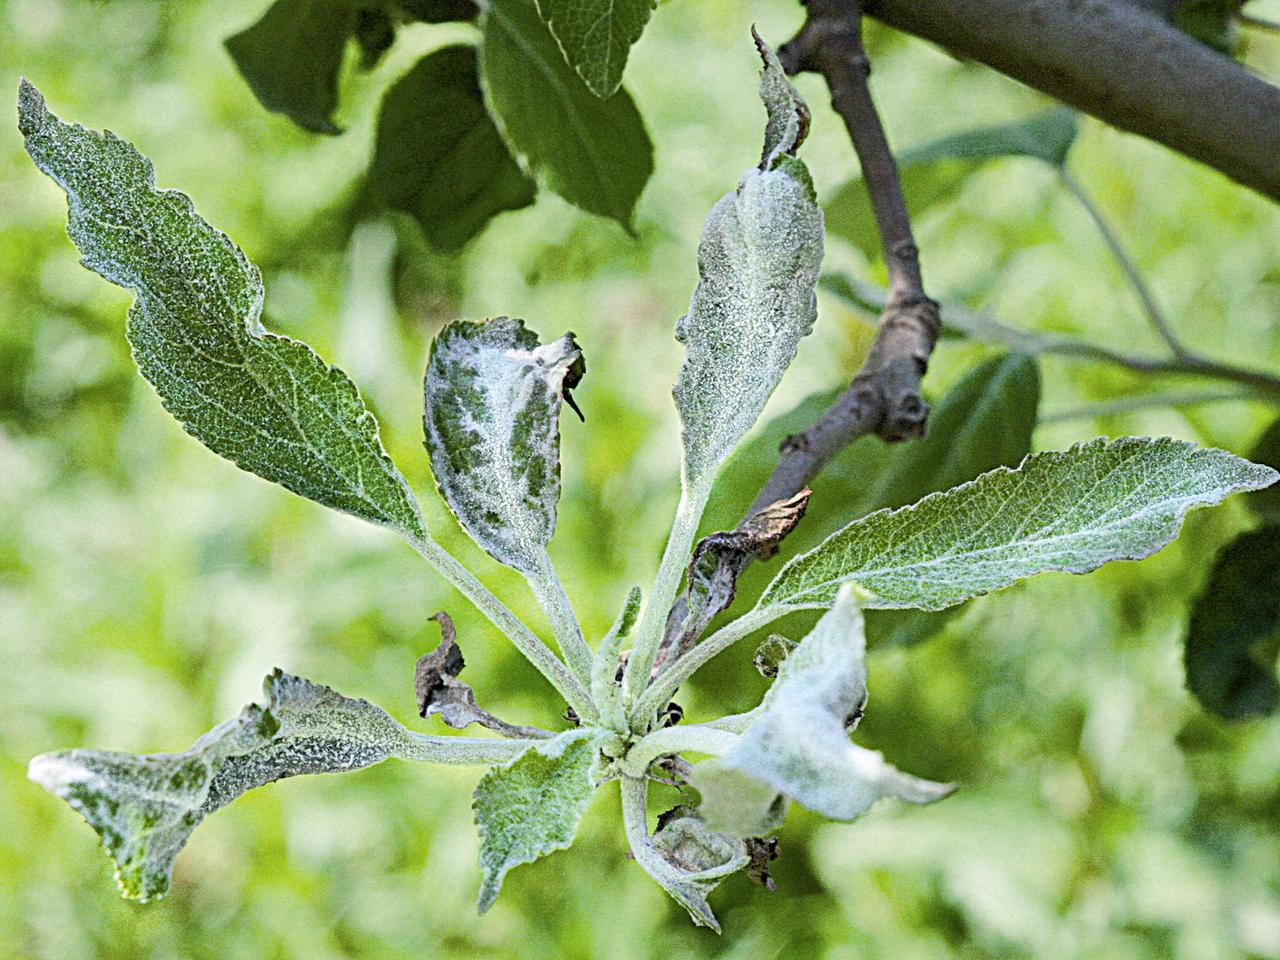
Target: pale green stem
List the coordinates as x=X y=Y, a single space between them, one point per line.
x=550 y=594
x=668 y=681
x=694 y=738
x=430 y=749
x=738 y=722
x=635 y=819
x=1126 y=262
x=653 y=622
x=534 y=650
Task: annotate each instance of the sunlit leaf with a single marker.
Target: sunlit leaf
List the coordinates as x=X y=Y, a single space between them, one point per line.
x=265 y=402
x=438 y=155
x=144 y=807
x=1071 y=511
x=758 y=264
x=799 y=746
x=531 y=806
x=593 y=152
x=1234 y=635
x=492 y=422
x=596 y=36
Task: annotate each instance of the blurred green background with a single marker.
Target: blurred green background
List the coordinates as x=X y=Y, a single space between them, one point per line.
x=146 y=586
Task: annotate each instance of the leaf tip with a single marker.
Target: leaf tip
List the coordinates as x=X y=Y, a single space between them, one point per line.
x=32 y=109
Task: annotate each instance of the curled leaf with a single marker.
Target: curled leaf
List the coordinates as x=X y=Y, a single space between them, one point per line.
x=788 y=123
x=799 y=746
x=492 y=423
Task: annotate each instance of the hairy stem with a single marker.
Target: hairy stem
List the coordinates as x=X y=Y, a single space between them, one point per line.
x=675 y=558
x=549 y=591
x=693 y=737
x=534 y=650
x=431 y=749
x=666 y=683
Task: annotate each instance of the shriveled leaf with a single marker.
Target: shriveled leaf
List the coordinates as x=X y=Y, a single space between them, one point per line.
x=596 y=36
x=799 y=746
x=145 y=806
x=718 y=561
x=758 y=265
x=435 y=680
x=1233 y=638
x=265 y=402
x=788 y=122
x=699 y=858
x=531 y=806
x=492 y=423
x=595 y=153
x=438 y=155
x=1070 y=511
x=292 y=56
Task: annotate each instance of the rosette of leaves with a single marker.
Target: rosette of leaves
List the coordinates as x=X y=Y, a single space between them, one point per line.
x=492 y=400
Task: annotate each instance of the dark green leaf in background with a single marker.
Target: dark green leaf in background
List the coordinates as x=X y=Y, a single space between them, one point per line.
x=1266 y=503
x=440 y=11
x=596 y=36
x=1234 y=634
x=595 y=153
x=438 y=155
x=375 y=32
x=292 y=56
x=1212 y=22
x=934 y=171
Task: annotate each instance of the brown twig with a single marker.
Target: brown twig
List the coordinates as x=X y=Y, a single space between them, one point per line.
x=884 y=397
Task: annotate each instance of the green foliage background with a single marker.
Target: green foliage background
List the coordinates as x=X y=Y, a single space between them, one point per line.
x=146 y=586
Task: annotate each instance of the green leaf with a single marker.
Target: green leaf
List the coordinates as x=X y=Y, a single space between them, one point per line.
x=696 y=860
x=531 y=806
x=934 y=171
x=1071 y=511
x=596 y=36
x=265 y=402
x=292 y=56
x=438 y=155
x=799 y=746
x=758 y=265
x=1233 y=638
x=1267 y=450
x=440 y=11
x=595 y=153
x=492 y=422
x=1212 y=22
x=144 y=807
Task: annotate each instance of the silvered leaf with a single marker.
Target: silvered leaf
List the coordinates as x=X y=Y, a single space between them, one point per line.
x=758 y=264
x=1071 y=511
x=265 y=402
x=492 y=424
x=145 y=806
x=799 y=747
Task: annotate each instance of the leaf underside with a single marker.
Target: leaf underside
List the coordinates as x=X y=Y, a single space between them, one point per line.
x=267 y=403
x=1068 y=511
x=492 y=415
x=531 y=806
x=144 y=807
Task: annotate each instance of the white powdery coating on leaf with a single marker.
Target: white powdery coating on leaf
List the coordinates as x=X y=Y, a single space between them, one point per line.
x=531 y=806
x=491 y=420
x=267 y=403
x=1068 y=511
x=800 y=748
x=758 y=263
x=144 y=807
